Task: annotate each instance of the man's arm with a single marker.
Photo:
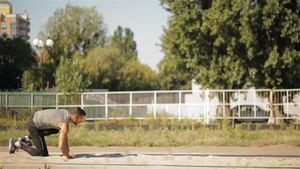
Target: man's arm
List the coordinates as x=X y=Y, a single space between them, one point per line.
x=63 y=139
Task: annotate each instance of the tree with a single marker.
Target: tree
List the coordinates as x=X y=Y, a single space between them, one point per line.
x=31 y=79
x=173 y=73
x=271 y=33
x=181 y=42
x=103 y=64
x=235 y=44
x=125 y=42
x=110 y=71
x=74 y=31
x=116 y=67
x=227 y=66
x=16 y=56
x=70 y=76
x=135 y=76
x=228 y=41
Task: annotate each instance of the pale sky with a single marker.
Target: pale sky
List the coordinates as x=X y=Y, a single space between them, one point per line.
x=145 y=18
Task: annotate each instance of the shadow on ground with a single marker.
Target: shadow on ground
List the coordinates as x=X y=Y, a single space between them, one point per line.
x=92 y=155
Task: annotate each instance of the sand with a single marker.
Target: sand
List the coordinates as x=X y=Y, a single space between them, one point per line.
x=158 y=158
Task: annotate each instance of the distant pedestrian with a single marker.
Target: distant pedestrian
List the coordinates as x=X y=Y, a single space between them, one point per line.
x=44 y=123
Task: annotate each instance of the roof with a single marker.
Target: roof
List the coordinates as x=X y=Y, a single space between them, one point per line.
x=5 y=2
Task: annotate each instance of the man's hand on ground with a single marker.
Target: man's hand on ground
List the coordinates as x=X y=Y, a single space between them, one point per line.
x=71 y=155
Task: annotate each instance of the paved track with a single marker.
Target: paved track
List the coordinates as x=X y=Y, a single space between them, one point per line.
x=160 y=158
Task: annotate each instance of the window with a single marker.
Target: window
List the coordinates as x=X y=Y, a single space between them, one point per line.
x=22 y=32
x=23 y=25
x=3 y=27
x=13 y=30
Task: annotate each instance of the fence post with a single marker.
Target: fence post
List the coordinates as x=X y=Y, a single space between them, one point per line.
x=6 y=101
x=224 y=115
x=207 y=106
x=179 y=106
x=106 y=108
x=286 y=104
x=254 y=103
x=154 y=106
x=56 y=100
x=271 y=119
x=130 y=104
x=31 y=102
x=81 y=96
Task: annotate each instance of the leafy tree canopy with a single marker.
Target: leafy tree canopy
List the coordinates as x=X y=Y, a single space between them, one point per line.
x=233 y=44
x=103 y=64
x=135 y=76
x=116 y=67
x=74 y=31
x=123 y=40
x=16 y=56
x=70 y=76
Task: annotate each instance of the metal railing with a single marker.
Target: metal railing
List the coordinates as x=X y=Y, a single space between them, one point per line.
x=203 y=105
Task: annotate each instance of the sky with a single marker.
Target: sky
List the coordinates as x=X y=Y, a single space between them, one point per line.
x=145 y=18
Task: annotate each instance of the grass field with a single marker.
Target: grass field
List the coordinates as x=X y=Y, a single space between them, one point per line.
x=225 y=135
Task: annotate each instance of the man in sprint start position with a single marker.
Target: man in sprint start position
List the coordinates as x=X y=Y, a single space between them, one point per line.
x=43 y=123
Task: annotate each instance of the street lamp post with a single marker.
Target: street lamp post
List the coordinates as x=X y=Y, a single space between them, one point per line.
x=39 y=44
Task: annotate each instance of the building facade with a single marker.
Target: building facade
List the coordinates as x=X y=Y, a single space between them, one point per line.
x=13 y=25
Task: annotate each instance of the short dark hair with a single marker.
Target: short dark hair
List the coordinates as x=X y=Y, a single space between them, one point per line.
x=78 y=112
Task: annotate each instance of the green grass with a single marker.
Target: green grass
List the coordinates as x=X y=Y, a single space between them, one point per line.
x=161 y=119
x=162 y=137
x=12 y=122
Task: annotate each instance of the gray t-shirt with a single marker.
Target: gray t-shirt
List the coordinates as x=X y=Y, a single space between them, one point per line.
x=49 y=119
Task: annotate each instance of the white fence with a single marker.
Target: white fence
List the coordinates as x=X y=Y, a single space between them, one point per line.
x=202 y=105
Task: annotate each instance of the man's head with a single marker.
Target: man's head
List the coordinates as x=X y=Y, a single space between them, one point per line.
x=77 y=115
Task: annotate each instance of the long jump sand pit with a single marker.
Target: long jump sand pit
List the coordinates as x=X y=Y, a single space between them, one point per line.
x=158 y=157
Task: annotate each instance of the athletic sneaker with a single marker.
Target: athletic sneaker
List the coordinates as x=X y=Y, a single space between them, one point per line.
x=23 y=140
x=12 y=146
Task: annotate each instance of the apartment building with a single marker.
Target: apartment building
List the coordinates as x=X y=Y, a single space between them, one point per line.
x=13 y=25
